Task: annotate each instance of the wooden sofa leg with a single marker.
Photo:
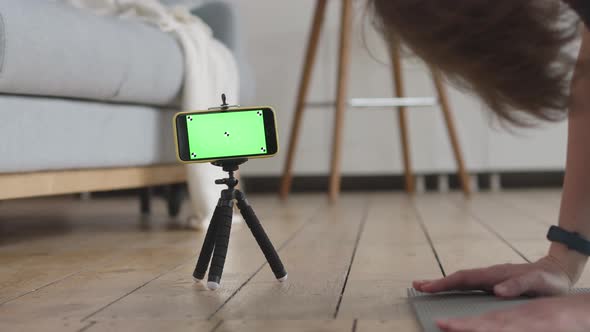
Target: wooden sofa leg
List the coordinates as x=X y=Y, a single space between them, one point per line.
x=145 y=200
x=175 y=198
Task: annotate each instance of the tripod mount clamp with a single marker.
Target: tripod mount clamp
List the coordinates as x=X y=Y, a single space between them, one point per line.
x=224 y=105
x=229 y=165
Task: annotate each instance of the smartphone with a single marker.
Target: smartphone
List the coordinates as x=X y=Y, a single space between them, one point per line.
x=226 y=134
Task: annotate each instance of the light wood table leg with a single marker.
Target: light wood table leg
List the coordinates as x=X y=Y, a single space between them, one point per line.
x=402 y=117
x=446 y=109
x=341 y=95
x=310 y=57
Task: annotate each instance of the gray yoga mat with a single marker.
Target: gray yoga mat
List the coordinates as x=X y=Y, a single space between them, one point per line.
x=429 y=308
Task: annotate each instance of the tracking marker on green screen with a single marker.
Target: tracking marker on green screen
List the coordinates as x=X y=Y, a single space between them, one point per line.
x=225 y=135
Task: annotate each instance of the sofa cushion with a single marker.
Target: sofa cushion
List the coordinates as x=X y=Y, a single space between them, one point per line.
x=40 y=133
x=49 y=48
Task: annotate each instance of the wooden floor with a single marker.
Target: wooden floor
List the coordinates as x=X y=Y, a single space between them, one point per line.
x=73 y=265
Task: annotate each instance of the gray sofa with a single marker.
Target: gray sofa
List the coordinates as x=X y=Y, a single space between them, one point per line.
x=86 y=101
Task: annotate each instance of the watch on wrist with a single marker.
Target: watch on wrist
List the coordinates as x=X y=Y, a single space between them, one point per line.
x=573 y=241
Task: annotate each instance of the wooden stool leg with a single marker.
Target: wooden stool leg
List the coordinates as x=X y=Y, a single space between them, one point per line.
x=402 y=116
x=310 y=57
x=446 y=109
x=341 y=95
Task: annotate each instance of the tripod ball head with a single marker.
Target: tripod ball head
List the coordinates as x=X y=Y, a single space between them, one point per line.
x=230 y=182
x=230 y=165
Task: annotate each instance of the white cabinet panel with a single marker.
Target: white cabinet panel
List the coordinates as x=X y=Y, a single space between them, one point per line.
x=532 y=149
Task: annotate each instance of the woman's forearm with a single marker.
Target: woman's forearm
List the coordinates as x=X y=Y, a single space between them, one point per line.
x=575 y=205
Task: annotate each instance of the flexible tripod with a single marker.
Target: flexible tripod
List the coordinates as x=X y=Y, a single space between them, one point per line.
x=217 y=237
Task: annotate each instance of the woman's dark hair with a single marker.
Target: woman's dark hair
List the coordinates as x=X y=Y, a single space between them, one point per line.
x=513 y=54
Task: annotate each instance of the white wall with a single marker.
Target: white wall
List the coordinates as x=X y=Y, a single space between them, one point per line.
x=275 y=34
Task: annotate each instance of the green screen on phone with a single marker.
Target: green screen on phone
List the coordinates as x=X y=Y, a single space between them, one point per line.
x=228 y=134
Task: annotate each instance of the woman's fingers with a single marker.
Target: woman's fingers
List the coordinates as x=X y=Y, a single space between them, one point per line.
x=506 y=280
x=419 y=283
x=476 y=279
x=494 y=321
x=462 y=280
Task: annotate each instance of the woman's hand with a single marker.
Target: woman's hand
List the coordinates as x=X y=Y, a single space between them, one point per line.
x=545 y=277
x=568 y=313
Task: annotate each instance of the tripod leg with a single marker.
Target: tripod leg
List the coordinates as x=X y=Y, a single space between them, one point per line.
x=223 y=230
x=263 y=241
x=207 y=248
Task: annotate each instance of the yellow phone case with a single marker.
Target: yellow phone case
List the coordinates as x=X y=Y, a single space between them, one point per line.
x=218 y=110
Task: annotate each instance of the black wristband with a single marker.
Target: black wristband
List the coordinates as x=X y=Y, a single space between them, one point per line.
x=571 y=240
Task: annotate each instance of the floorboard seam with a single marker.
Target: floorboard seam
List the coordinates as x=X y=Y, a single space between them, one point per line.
x=360 y=232
x=311 y=220
x=493 y=231
x=113 y=302
x=521 y=211
x=88 y=268
x=137 y=288
x=217 y=326
x=501 y=238
x=428 y=238
x=40 y=287
x=89 y=325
